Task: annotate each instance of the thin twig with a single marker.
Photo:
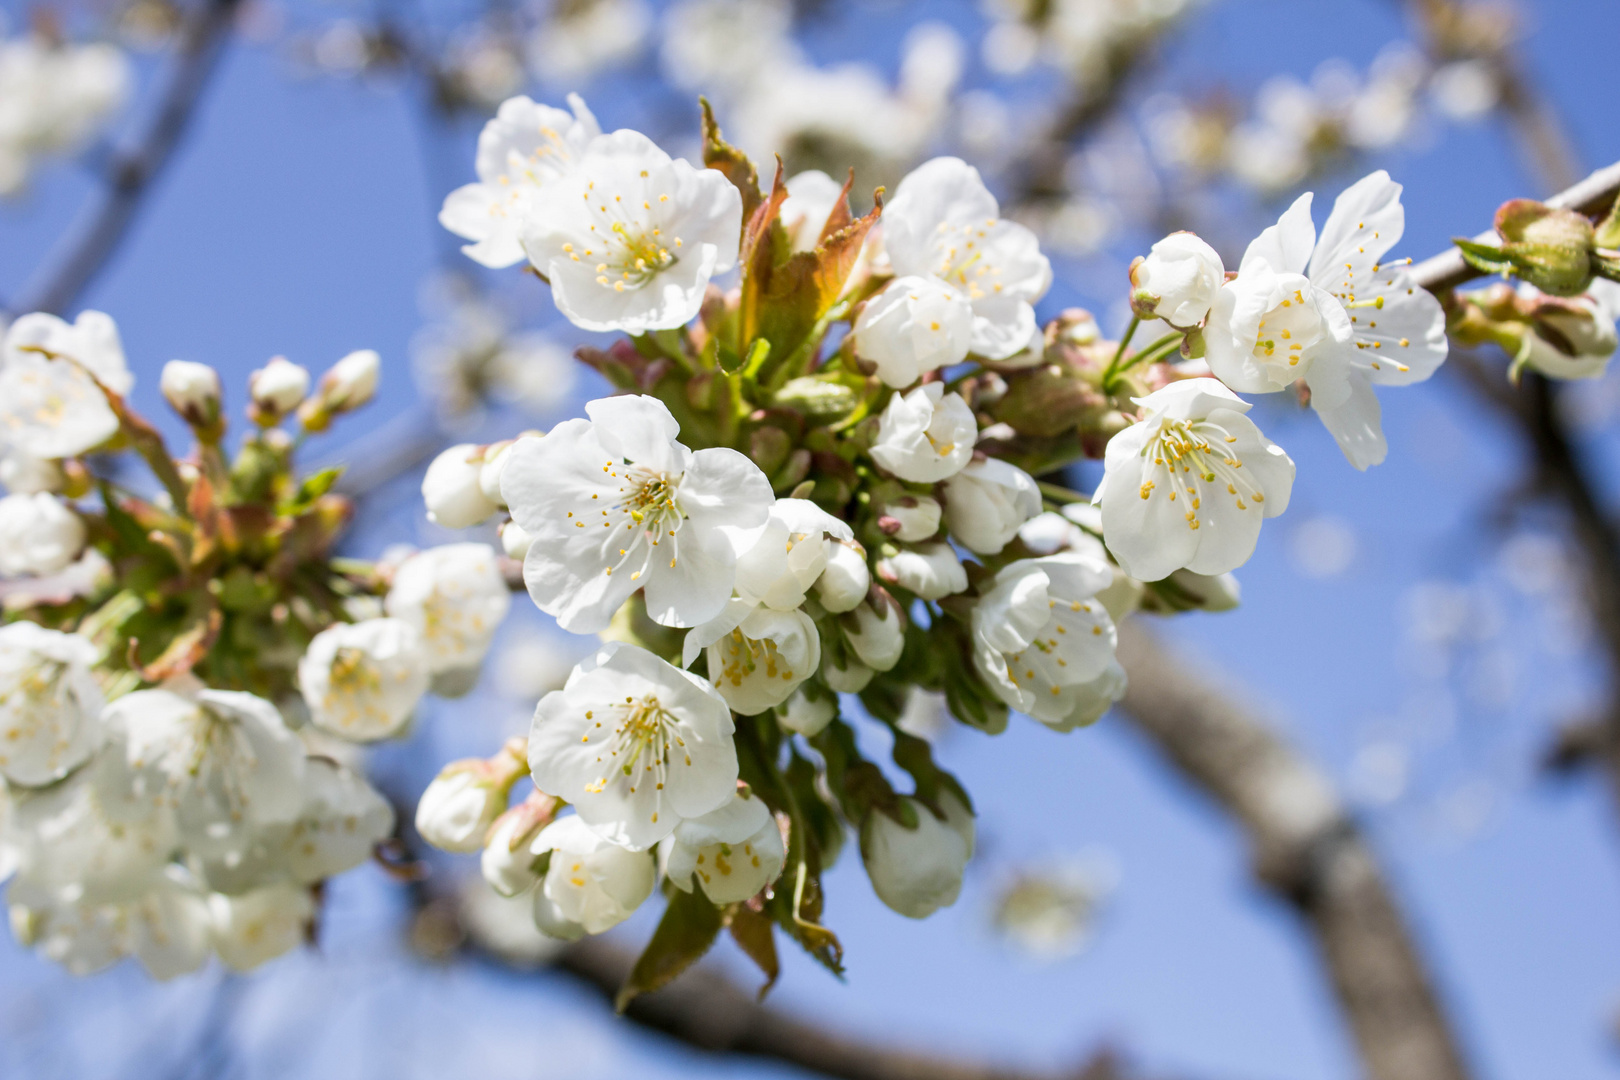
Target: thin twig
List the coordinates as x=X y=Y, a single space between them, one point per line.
x=130 y=174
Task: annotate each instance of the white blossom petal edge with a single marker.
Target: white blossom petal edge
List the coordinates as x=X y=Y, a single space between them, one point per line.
x=614 y=504
x=1189 y=484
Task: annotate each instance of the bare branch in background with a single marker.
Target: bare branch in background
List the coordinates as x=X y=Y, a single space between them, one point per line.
x=1307 y=850
x=130 y=173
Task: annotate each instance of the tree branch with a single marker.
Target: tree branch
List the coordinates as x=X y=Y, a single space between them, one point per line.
x=1307 y=850
x=132 y=172
x=707 y=1010
x=1592 y=197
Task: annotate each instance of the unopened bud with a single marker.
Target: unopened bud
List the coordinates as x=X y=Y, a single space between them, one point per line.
x=821 y=400
x=193 y=391
x=515 y=541
x=346 y=386
x=911 y=518
x=507 y=863
x=1554 y=250
x=276 y=389
x=844 y=581
x=457 y=809
x=916 y=871
x=452 y=489
x=1177 y=281
x=878 y=635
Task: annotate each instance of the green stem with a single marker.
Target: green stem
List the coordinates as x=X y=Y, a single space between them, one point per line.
x=1153 y=353
x=1119 y=353
x=1060 y=494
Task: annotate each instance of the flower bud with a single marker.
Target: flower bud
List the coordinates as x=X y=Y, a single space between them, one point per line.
x=276 y=389
x=507 y=863
x=808 y=711
x=914 y=326
x=732 y=852
x=931 y=571
x=457 y=809
x=845 y=580
x=453 y=491
x=38 y=535
x=879 y=633
x=1574 y=338
x=1177 y=281
x=821 y=400
x=1184 y=590
x=346 y=386
x=193 y=391
x=986 y=503
x=489 y=474
x=514 y=541
x=910 y=518
x=1554 y=250
x=848 y=677
x=917 y=871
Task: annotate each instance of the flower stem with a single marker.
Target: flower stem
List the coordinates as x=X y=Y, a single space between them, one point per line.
x=1119 y=353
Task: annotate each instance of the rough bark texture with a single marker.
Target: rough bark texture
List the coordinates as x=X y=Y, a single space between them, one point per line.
x=1307 y=850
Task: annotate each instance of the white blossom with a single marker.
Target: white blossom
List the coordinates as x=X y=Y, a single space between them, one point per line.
x=1177 y=281
x=168 y=927
x=507 y=863
x=351 y=382
x=635 y=744
x=932 y=571
x=39 y=535
x=455 y=597
x=70 y=848
x=578 y=40
x=525 y=147
x=363 y=680
x=50 y=704
x=615 y=504
x=1189 y=484
x=53 y=98
x=915 y=517
x=341 y=820
x=1040 y=635
x=849 y=677
x=790 y=555
x=845 y=580
x=50 y=403
x=1326 y=310
x=757 y=655
x=24 y=474
x=943 y=222
x=918 y=871
x=631 y=237
x=987 y=502
x=261 y=925
x=733 y=851
x=926 y=435
x=225 y=761
x=592 y=884
x=914 y=326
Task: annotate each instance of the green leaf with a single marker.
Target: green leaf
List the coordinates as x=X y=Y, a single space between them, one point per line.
x=1484 y=257
x=756 y=935
x=687 y=930
x=314 y=486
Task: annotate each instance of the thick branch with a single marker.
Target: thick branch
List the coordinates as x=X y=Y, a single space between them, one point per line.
x=707 y=1010
x=1308 y=850
x=131 y=172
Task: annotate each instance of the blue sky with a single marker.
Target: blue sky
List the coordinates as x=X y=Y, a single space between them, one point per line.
x=298 y=219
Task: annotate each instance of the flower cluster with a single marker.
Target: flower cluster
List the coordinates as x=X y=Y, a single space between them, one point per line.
x=182 y=671
x=53 y=98
x=819 y=482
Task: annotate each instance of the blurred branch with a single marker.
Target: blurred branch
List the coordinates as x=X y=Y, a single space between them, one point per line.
x=130 y=173
x=1455 y=30
x=707 y=1010
x=1307 y=850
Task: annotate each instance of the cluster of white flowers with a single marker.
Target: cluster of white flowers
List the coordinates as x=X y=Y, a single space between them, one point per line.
x=143 y=812
x=54 y=98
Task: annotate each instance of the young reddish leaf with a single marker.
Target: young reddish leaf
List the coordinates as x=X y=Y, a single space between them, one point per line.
x=722 y=156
